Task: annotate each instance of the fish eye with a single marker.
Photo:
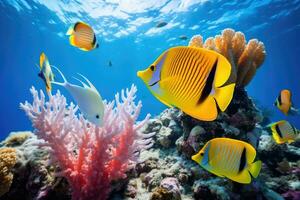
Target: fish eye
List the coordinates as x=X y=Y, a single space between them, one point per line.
x=152 y=67
x=202 y=154
x=97 y=116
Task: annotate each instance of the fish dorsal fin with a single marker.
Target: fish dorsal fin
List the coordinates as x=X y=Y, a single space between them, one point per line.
x=63 y=77
x=80 y=25
x=84 y=85
x=91 y=86
x=43 y=58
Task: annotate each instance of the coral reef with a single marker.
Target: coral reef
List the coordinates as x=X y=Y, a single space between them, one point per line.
x=16 y=139
x=88 y=156
x=8 y=158
x=68 y=157
x=165 y=173
x=245 y=58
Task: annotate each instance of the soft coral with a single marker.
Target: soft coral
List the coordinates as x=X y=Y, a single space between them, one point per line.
x=89 y=157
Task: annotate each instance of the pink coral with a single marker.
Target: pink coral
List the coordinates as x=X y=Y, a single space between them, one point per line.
x=90 y=157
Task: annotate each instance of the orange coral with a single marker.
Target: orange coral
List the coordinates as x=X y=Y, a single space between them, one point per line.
x=8 y=159
x=244 y=57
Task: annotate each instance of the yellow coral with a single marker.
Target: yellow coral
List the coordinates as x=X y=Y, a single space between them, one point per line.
x=8 y=159
x=244 y=57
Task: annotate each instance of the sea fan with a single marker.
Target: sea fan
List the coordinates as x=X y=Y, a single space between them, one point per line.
x=90 y=157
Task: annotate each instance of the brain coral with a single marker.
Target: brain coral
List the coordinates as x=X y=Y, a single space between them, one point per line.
x=244 y=57
x=8 y=159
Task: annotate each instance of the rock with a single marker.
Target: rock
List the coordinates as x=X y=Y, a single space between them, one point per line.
x=164 y=137
x=194 y=139
x=131 y=189
x=146 y=166
x=210 y=189
x=169 y=189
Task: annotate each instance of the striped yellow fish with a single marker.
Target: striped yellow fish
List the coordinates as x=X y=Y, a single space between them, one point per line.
x=191 y=79
x=229 y=158
x=46 y=73
x=82 y=36
x=284 y=132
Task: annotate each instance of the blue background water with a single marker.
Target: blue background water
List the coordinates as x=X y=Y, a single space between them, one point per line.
x=128 y=37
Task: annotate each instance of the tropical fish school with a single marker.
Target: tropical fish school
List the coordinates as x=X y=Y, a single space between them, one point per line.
x=195 y=80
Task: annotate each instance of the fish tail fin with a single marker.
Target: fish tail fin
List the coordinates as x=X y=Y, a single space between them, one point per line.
x=70 y=30
x=254 y=168
x=224 y=96
x=63 y=77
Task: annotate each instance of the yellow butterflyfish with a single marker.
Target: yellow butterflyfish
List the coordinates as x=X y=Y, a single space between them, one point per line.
x=233 y=159
x=192 y=79
x=82 y=36
x=284 y=132
x=46 y=73
x=284 y=102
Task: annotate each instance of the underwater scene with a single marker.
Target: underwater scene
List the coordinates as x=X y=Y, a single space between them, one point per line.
x=149 y=100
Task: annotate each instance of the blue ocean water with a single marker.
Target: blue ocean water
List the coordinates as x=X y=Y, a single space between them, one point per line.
x=129 y=39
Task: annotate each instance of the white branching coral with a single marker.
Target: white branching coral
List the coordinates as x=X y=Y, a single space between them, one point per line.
x=89 y=156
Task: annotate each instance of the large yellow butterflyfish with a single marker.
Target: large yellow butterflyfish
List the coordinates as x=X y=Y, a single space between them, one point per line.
x=82 y=36
x=192 y=79
x=229 y=158
x=284 y=132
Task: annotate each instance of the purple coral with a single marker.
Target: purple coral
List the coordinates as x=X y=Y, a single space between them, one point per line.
x=89 y=157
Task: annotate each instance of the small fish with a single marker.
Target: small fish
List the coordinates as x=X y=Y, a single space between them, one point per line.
x=82 y=36
x=233 y=159
x=161 y=24
x=46 y=73
x=87 y=97
x=109 y=63
x=191 y=79
x=183 y=37
x=284 y=132
x=284 y=103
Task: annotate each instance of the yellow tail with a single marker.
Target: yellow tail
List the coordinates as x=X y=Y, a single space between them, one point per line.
x=255 y=168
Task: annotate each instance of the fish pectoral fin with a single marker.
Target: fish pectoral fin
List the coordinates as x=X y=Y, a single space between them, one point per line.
x=243 y=177
x=205 y=111
x=223 y=96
